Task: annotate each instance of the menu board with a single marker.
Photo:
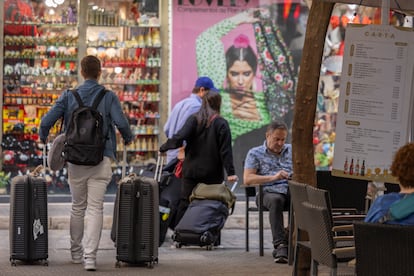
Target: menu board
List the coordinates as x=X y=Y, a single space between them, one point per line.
x=375 y=103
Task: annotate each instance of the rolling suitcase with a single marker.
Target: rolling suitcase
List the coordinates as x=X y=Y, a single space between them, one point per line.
x=137 y=221
x=202 y=222
x=28 y=229
x=169 y=200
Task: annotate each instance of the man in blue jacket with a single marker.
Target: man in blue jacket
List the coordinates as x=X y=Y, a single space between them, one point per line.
x=88 y=183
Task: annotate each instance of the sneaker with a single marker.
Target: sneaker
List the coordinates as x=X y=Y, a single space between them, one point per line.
x=280 y=254
x=77 y=258
x=90 y=264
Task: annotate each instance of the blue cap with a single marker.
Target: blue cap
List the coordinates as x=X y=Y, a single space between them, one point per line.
x=207 y=83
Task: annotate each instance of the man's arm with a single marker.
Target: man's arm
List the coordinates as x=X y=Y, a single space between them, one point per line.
x=250 y=177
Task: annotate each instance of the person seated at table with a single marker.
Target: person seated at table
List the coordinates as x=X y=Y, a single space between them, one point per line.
x=270 y=165
x=402 y=168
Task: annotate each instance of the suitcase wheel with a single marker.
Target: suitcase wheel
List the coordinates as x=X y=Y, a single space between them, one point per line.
x=150 y=265
x=118 y=264
x=209 y=247
x=207 y=238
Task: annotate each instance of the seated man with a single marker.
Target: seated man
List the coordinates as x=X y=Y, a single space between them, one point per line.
x=271 y=165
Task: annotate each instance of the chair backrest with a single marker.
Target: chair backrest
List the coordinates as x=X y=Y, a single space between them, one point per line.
x=319 y=225
x=384 y=249
x=250 y=191
x=320 y=197
x=298 y=194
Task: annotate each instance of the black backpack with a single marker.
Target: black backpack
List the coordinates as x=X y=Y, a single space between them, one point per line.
x=85 y=140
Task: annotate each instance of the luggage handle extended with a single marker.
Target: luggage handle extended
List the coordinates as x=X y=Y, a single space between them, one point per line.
x=124 y=161
x=233 y=187
x=158 y=168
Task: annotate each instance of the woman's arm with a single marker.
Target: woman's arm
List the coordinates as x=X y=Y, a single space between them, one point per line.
x=183 y=134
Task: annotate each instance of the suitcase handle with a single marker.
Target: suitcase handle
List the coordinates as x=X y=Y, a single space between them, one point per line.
x=158 y=168
x=124 y=161
x=38 y=171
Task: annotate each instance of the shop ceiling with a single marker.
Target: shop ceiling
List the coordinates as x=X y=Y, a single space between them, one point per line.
x=403 y=6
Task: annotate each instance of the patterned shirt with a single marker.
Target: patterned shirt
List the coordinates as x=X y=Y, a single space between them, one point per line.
x=269 y=163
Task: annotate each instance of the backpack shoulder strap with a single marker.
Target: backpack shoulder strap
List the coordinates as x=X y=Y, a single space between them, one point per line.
x=403 y=208
x=400 y=209
x=98 y=98
x=77 y=97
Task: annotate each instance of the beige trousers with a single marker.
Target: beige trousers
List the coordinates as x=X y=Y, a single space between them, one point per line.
x=88 y=186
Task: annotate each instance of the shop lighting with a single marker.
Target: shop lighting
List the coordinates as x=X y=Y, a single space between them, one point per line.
x=54 y=3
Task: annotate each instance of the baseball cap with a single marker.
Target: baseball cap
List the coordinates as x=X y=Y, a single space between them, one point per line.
x=207 y=83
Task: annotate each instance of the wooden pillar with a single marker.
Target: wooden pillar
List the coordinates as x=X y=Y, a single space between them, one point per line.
x=307 y=90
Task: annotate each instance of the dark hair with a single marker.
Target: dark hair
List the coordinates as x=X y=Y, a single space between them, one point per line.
x=247 y=54
x=210 y=107
x=402 y=166
x=91 y=67
x=195 y=90
x=276 y=125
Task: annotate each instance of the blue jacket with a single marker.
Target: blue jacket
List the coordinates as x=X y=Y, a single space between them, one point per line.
x=381 y=206
x=110 y=107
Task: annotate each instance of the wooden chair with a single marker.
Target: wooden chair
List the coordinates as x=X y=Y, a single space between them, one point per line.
x=384 y=249
x=250 y=195
x=322 y=244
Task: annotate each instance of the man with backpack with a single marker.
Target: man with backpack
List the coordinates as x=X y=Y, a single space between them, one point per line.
x=88 y=177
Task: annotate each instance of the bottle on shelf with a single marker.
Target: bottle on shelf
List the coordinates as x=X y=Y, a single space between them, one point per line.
x=351 y=167
x=357 y=167
x=363 y=168
x=346 y=165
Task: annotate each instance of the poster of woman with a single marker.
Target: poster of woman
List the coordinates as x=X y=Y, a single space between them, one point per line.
x=251 y=50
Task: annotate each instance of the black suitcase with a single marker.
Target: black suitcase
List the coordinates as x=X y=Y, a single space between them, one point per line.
x=169 y=200
x=137 y=221
x=169 y=188
x=28 y=229
x=201 y=224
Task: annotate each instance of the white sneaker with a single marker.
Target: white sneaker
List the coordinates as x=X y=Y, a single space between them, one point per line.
x=90 y=264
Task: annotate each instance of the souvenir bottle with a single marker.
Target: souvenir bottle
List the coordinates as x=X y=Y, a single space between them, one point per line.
x=363 y=168
x=346 y=165
x=351 y=167
x=357 y=167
